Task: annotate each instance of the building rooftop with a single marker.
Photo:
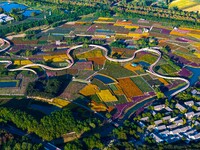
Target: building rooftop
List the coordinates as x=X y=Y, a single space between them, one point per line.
x=189 y=114
x=178 y=122
x=156 y=137
x=158 y=122
x=144 y=119
x=168 y=109
x=159 y=107
x=180 y=107
x=172 y=126
x=189 y=103
x=161 y=127
x=166 y=118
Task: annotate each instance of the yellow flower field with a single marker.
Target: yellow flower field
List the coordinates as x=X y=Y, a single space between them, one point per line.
x=56 y=58
x=90 y=54
x=163 y=81
x=22 y=62
x=106 y=96
x=197 y=54
x=181 y=4
x=89 y=89
x=98 y=107
x=194 y=35
x=173 y=32
x=189 y=29
x=131 y=68
x=60 y=102
x=105 y=18
x=131 y=27
x=194 y=8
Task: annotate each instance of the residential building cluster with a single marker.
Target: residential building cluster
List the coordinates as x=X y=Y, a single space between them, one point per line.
x=174 y=124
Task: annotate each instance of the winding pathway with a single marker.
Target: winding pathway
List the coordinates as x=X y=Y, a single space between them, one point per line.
x=71 y=63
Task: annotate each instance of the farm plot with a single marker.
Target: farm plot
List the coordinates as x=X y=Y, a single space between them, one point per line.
x=115 y=70
x=144 y=86
x=147 y=77
x=188 y=56
x=149 y=58
x=72 y=90
x=106 y=96
x=129 y=88
x=168 y=69
x=132 y=68
x=194 y=8
x=163 y=81
x=90 y=54
x=89 y=89
x=183 y=4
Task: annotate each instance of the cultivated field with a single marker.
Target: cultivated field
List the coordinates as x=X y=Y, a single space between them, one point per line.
x=184 y=4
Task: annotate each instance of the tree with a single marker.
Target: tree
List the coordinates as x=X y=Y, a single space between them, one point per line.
x=1 y=10
x=75 y=145
x=93 y=142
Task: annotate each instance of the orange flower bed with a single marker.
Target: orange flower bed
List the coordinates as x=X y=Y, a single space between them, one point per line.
x=98 y=60
x=118 y=91
x=129 y=88
x=189 y=29
x=162 y=41
x=89 y=89
x=173 y=32
x=163 y=81
x=195 y=35
x=131 y=68
x=98 y=107
x=60 y=102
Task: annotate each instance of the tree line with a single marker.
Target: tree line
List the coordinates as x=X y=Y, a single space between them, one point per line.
x=49 y=127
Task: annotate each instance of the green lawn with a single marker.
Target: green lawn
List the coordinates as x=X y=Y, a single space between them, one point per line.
x=168 y=69
x=113 y=87
x=121 y=99
x=115 y=70
x=99 y=84
x=139 y=81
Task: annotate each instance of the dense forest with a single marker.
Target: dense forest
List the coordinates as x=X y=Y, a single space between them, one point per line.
x=48 y=88
x=10 y=141
x=49 y=127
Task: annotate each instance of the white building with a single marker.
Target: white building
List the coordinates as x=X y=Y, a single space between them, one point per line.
x=189 y=115
x=189 y=103
x=180 y=107
x=156 y=137
x=159 y=107
x=5 y=18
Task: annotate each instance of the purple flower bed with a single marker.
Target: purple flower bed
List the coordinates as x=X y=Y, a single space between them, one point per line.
x=139 y=111
x=137 y=99
x=17 y=48
x=179 y=59
x=174 y=84
x=121 y=108
x=91 y=29
x=185 y=72
x=157 y=30
x=194 y=64
x=138 y=30
x=181 y=39
x=182 y=31
x=197 y=84
x=165 y=31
